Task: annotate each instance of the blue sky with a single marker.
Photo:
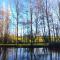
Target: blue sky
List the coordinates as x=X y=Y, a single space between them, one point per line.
x=52 y=3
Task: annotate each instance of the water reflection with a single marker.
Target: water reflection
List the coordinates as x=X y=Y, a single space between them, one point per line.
x=28 y=54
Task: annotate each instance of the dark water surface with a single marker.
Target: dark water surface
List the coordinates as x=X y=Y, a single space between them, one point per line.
x=28 y=54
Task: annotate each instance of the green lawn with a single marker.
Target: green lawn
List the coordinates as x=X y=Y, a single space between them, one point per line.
x=24 y=45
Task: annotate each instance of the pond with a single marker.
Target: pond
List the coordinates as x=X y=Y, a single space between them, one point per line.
x=28 y=54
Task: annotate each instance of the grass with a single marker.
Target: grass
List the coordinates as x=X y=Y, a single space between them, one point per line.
x=24 y=45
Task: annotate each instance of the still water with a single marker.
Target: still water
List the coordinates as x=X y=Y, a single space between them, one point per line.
x=28 y=54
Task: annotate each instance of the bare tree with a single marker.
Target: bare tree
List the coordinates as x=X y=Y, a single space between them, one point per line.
x=31 y=12
x=16 y=16
x=39 y=11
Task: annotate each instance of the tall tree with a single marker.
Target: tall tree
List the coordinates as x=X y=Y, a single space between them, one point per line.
x=16 y=15
x=47 y=18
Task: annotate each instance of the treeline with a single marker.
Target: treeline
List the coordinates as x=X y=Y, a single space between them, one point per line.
x=38 y=18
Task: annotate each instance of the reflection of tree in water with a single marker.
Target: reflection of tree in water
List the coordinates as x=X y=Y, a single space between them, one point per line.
x=16 y=53
x=0 y=51
x=4 y=53
x=31 y=51
x=36 y=53
x=29 y=54
x=40 y=53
